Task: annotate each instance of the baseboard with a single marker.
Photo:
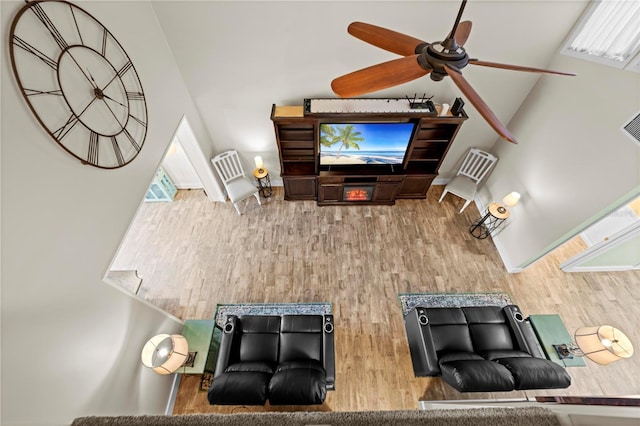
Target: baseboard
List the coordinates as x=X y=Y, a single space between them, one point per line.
x=173 y=395
x=601 y=268
x=440 y=181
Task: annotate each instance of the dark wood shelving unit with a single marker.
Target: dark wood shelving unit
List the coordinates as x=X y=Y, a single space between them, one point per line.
x=297 y=134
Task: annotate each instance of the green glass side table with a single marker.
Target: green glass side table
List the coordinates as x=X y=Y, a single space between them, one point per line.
x=550 y=330
x=198 y=334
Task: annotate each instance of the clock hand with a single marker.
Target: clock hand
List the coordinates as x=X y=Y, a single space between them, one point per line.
x=95 y=86
x=111 y=99
x=111 y=111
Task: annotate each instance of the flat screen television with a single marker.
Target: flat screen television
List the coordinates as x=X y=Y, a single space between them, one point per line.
x=348 y=144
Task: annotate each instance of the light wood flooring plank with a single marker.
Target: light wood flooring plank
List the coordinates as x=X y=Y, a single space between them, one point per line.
x=193 y=254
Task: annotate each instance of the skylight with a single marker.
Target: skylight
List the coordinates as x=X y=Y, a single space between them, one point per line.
x=608 y=33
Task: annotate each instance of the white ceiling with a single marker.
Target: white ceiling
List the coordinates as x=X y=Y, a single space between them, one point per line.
x=240 y=57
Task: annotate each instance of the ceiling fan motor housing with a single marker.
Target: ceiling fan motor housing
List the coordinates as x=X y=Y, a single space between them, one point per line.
x=435 y=56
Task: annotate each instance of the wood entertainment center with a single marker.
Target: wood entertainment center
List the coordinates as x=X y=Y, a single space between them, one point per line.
x=297 y=136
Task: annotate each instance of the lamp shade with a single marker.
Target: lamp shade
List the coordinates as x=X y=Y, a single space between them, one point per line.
x=511 y=199
x=604 y=344
x=259 y=162
x=165 y=353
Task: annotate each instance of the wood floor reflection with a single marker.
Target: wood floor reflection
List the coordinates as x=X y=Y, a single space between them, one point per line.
x=193 y=254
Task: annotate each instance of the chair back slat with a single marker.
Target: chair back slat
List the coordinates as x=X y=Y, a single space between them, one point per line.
x=476 y=164
x=228 y=165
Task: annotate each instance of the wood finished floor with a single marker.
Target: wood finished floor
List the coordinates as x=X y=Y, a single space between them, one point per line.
x=193 y=254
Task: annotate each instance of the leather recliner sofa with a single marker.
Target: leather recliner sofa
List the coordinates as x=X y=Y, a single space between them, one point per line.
x=480 y=349
x=286 y=359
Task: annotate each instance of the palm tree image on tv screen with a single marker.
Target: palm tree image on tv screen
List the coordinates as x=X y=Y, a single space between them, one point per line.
x=364 y=143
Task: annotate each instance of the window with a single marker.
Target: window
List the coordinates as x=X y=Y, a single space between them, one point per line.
x=608 y=33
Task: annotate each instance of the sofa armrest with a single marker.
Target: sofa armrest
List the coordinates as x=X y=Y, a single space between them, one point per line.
x=522 y=331
x=421 y=346
x=328 y=351
x=226 y=341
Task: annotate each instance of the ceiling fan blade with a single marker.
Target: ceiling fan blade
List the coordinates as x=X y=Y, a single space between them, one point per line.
x=515 y=67
x=383 y=38
x=462 y=32
x=479 y=104
x=378 y=77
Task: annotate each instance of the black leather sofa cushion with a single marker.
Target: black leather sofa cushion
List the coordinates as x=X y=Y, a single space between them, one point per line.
x=494 y=355
x=459 y=356
x=301 y=338
x=477 y=376
x=535 y=373
x=240 y=388
x=259 y=338
x=486 y=337
x=255 y=366
x=298 y=383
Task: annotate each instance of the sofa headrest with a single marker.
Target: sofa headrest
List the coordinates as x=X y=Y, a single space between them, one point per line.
x=260 y=324
x=302 y=323
x=446 y=316
x=484 y=315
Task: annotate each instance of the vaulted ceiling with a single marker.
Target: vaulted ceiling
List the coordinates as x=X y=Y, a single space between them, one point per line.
x=240 y=57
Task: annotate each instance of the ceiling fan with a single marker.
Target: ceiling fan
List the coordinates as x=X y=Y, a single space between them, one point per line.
x=438 y=59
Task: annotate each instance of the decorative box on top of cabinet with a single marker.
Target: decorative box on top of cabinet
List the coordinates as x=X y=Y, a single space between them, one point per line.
x=162 y=188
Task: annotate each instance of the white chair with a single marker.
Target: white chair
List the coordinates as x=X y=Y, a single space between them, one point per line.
x=475 y=166
x=230 y=170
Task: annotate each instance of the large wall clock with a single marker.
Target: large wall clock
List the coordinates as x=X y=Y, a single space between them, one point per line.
x=79 y=83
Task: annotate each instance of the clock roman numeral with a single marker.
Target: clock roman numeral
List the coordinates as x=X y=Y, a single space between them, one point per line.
x=76 y=22
x=142 y=123
x=126 y=67
x=132 y=140
x=46 y=21
x=117 y=151
x=92 y=154
x=105 y=35
x=135 y=96
x=17 y=41
x=64 y=130
x=34 y=92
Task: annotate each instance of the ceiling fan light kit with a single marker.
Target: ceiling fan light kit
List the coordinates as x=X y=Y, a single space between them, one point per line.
x=438 y=59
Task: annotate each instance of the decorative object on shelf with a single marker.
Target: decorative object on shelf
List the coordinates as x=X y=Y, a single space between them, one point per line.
x=237 y=184
x=457 y=106
x=438 y=59
x=165 y=353
x=511 y=199
x=79 y=83
x=493 y=218
x=602 y=345
x=407 y=105
x=474 y=168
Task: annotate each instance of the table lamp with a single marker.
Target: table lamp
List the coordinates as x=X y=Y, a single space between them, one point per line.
x=165 y=353
x=259 y=163
x=511 y=199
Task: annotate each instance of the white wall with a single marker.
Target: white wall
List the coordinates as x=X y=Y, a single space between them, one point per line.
x=240 y=57
x=573 y=164
x=71 y=343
